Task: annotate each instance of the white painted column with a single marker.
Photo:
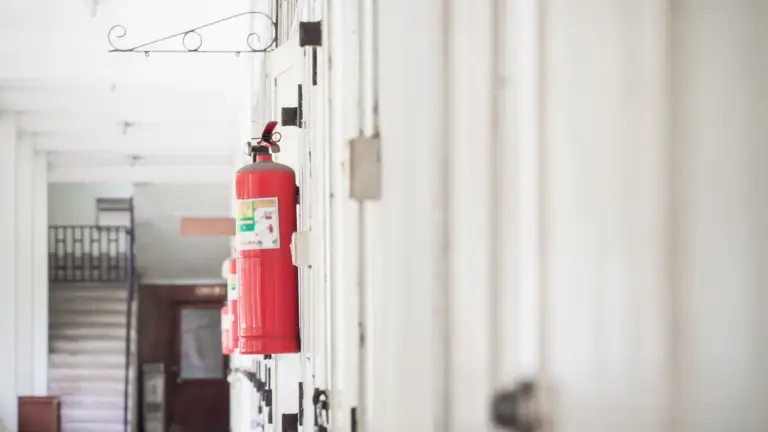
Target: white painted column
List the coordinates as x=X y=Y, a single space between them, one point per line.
x=24 y=229
x=31 y=270
x=407 y=348
x=39 y=269
x=720 y=202
x=604 y=182
x=8 y=324
x=24 y=270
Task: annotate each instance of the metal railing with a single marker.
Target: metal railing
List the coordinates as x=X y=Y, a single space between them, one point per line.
x=88 y=253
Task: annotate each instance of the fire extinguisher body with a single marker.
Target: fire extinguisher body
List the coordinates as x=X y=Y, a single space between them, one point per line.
x=232 y=293
x=268 y=303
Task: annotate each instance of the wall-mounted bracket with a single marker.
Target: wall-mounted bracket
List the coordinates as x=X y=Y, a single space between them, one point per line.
x=311 y=33
x=192 y=39
x=294 y=116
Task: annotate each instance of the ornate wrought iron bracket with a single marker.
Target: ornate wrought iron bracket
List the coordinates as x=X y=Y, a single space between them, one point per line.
x=192 y=40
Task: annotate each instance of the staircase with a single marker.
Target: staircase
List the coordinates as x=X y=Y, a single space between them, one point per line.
x=87 y=354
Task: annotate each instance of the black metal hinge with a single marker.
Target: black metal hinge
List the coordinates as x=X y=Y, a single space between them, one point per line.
x=290 y=422
x=311 y=33
x=293 y=116
x=314 y=66
x=353 y=419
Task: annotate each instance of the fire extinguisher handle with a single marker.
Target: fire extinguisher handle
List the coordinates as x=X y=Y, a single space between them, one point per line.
x=267 y=142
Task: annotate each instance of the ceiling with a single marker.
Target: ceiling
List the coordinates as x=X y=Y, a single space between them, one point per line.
x=93 y=109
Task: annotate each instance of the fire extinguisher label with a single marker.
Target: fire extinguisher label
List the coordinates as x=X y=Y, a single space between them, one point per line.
x=232 y=288
x=258 y=224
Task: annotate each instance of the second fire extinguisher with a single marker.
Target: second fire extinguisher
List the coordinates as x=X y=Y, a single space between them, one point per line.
x=226 y=329
x=268 y=301
x=232 y=293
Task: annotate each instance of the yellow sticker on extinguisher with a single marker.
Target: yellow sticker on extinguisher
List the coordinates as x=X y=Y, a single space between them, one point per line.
x=258 y=224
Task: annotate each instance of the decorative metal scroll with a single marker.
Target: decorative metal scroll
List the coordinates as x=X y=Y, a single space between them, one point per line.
x=192 y=40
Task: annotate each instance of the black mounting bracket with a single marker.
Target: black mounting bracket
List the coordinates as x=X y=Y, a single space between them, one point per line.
x=290 y=422
x=311 y=33
x=293 y=116
x=301 y=402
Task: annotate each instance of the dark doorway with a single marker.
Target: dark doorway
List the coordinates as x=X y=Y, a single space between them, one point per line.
x=180 y=327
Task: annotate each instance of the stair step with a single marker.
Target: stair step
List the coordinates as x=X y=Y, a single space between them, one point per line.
x=92 y=427
x=90 y=293
x=84 y=401
x=92 y=319
x=76 y=360
x=91 y=415
x=96 y=346
x=85 y=375
x=109 y=389
x=66 y=331
x=118 y=306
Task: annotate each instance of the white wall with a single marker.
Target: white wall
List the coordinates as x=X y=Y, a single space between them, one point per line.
x=75 y=203
x=584 y=202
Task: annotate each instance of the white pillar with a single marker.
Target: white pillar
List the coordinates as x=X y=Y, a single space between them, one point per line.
x=655 y=202
x=31 y=285
x=7 y=272
x=24 y=270
x=407 y=344
x=39 y=270
x=24 y=229
x=720 y=202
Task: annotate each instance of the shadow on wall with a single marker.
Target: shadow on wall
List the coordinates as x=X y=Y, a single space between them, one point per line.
x=162 y=254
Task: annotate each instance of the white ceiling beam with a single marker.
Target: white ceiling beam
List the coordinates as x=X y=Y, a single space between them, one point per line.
x=121 y=102
x=140 y=142
x=108 y=119
x=87 y=160
x=190 y=174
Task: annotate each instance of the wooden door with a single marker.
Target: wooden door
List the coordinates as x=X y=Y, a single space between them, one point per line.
x=200 y=391
x=180 y=326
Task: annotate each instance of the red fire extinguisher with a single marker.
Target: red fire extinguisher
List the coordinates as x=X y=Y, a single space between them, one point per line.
x=232 y=293
x=226 y=323
x=268 y=301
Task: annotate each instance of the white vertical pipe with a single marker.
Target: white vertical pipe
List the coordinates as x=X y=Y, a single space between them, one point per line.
x=324 y=172
x=370 y=236
x=344 y=76
x=471 y=145
x=319 y=196
x=516 y=194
